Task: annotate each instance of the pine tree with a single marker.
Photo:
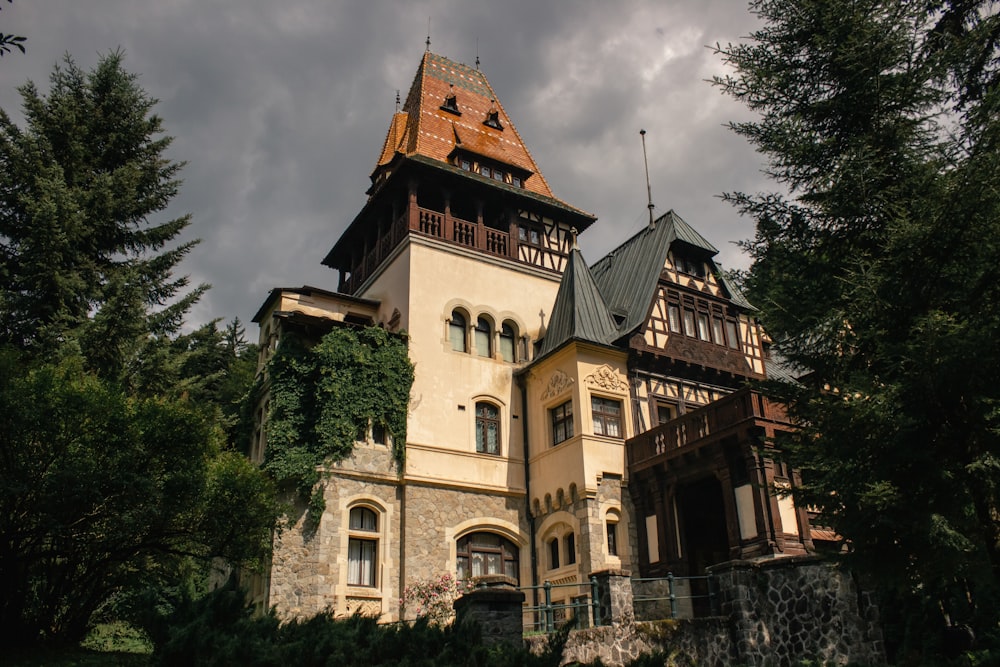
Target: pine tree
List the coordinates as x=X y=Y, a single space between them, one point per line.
x=87 y=258
x=876 y=268
x=114 y=475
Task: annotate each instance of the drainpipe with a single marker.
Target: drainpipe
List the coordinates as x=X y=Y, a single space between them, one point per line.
x=522 y=385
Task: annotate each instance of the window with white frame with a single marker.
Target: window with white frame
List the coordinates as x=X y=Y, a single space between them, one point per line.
x=607 y=416
x=362 y=547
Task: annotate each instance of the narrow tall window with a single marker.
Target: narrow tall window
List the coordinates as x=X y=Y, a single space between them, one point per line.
x=703 y=326
x=717 y=336
x=570 y=549
x=507 y=338
x=689 y=323
x=732 y=337
x=612 y=538
x=484 y=336
x=674 y=318
x=487 y=428
x=562 y=422
x=607 y=415
x=362 y=547
x=554 y=553
x=456 y=331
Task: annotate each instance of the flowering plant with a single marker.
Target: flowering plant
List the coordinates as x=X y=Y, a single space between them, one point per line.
x=433 y=598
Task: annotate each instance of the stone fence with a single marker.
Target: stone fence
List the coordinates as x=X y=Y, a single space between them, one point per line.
x=781 y=611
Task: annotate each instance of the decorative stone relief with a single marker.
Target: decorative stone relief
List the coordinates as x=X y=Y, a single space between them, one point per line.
x=606 y=378
x=558 y=383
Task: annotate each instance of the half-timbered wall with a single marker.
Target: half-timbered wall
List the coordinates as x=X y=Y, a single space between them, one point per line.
x=542 y=241
x=693 y=326
x=656 y=399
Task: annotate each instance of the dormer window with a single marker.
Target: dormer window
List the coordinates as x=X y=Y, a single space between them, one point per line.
x=451 y=103
x=493 y=118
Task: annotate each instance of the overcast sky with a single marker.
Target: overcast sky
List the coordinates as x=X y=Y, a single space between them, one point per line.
x=280 y=110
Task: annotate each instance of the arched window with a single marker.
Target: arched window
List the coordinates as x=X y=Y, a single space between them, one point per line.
x=362 y=547
x=484 y=338
x=487 y=428
x=480 y=554
x=456 y=331
x=508 y=337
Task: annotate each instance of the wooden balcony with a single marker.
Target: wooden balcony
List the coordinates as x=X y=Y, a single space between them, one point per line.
x=739 y=414
x=434 y=224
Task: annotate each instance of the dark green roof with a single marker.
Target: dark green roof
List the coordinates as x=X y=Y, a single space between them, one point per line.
x=603 y=303
x=627 y=276
x=579 y=312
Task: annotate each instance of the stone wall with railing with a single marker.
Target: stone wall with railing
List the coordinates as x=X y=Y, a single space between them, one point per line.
x=781 y=611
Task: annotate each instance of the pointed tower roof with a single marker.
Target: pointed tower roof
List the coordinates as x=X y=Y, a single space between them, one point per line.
x=452 y=107
x=579 y=312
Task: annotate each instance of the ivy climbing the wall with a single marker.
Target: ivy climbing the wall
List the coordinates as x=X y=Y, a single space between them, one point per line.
x=323 y=397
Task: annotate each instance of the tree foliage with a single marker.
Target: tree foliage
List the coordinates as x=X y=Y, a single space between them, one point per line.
x=114 y=470
x=322 y=397
x=7 y=41
x=85 y=253
x=102 y=493
x=877 y=269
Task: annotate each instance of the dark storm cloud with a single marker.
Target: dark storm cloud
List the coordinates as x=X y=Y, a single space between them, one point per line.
x=280 y=110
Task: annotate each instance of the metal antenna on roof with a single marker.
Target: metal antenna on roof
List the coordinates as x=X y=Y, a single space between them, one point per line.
x=428 y=33
x=397 y=100
x=649 y=190
x=477 y=54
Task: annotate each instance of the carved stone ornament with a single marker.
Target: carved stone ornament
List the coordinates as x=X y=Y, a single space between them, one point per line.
x=605 y=378
x=558 y=383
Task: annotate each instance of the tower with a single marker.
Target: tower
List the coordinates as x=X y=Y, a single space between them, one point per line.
x=564 y=419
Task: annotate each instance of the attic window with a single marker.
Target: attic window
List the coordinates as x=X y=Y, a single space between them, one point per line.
x=451 y=104
x=493 y=118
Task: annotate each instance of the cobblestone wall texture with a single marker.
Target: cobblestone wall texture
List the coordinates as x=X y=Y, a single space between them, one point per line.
x=775 y=613
x=432 y=515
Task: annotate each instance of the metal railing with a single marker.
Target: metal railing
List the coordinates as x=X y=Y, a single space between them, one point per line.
x=547 y=616
x=685 y=597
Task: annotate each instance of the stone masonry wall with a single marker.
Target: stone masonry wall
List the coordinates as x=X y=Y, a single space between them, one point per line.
x=774 y=613
x=786 y=610
x=436 y=516
x=309 y=561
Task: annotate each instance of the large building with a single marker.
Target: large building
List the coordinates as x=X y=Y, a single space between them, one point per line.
x=564 y=418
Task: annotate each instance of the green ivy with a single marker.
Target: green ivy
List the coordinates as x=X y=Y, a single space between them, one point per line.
x=323 y=396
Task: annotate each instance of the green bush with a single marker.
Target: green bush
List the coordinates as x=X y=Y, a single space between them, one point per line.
x=220 y=628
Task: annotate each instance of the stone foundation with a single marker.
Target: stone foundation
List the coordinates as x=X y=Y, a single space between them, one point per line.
x=776 y=612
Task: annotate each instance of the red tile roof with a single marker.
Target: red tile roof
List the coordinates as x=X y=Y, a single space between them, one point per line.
x=424 y=128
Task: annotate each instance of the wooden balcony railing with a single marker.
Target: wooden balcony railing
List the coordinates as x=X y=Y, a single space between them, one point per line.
x=734 y=413
x=434 y=224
